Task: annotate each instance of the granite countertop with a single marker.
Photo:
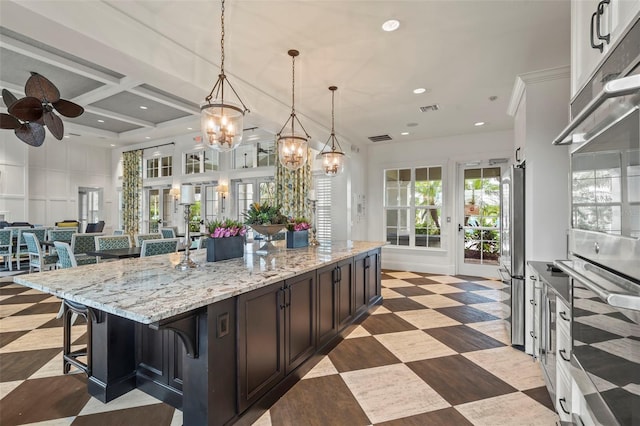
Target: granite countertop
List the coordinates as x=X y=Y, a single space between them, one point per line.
x=557 y=279
x=150 y=289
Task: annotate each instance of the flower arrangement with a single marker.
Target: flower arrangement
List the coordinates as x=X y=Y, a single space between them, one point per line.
x=298 y=224
x=264 y=214
x=225 y=228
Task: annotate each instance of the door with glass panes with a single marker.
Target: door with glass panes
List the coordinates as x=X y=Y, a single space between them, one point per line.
x=248 y=191
x=479 y=219
x=159 y=208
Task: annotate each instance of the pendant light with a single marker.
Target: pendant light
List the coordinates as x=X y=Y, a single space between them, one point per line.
x=332 y=161
x=292 y=146
x=220 y=121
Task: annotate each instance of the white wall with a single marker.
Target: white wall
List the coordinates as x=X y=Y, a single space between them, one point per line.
x=447 y=152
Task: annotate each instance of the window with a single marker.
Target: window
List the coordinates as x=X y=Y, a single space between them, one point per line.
x=413 y=206
x=200 y=162
x=323 y=207
x=159 y=167
x=261 y=154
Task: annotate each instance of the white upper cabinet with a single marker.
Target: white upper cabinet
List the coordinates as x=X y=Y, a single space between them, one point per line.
x=595 y=28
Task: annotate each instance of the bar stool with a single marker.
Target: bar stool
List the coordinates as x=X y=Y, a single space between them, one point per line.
x=70 y=311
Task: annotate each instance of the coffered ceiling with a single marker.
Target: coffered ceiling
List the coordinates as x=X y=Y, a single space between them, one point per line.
x=141 y=68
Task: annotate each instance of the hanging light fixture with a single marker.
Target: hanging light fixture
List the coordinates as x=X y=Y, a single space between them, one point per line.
x=221 y=122
x=332 y=161
x=292 y=146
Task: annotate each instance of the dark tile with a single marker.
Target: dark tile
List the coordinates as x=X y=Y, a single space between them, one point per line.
x=54 y=322
x=12 y=290
x=359 y=353
x=411 y=291
x=147 y=415
x=469 y=278
x=607 y=366
x=420 y=281
x=401 y=304
x=443 y=375
x=40 y=308
x=446 y=417
x=54 y=397
x=468 y=298
x=21 y=365
x=577 y=312
x=25 y=298
x=588 y=334
x=620 y=316
x=319 y=401
x=470 y=286
x=386 y=323
x=10 y=336
x=541 y=395
x=461 y=338
x=466 y=314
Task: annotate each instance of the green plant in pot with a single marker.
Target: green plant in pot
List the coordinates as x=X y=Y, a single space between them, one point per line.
x=264 y=214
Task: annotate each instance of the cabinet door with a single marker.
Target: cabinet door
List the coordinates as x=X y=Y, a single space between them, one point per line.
x=360 y=282
x=584 y=58
x=327 y=303
x=159 y=356
x=373 y=276
x=346 y=284
x=300 y=319
x=260 y=342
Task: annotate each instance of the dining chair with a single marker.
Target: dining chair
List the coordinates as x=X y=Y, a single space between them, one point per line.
x=109 y=242
x=162 y=246
x=6 y=247
x=199 y=243
x=21 y=245
x=69 y=312
x=83 y=243
x=37 y=259
x=168 y=232
x=63 y=235
x=139 y=238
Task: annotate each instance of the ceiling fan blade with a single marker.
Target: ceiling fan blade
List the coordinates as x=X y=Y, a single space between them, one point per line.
x=26 y=109
x=68 y=108
x=8 y=121
x=8 y=97
x=31 y=134
x=41 y=88
x=54 y=124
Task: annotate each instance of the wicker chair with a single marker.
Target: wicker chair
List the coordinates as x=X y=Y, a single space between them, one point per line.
x=37 y=259
x=155 y=247
x=6 y=247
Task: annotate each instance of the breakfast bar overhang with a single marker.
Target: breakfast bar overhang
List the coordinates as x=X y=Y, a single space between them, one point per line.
x=224 y=340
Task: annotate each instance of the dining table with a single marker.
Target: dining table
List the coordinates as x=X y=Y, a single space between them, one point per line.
x=119 y=253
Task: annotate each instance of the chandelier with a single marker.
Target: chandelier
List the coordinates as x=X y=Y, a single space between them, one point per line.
x=292 y=146
x=220 y=121
x=332 y=161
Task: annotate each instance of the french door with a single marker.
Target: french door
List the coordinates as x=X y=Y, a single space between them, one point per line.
x=478 y=219
x=159 y=208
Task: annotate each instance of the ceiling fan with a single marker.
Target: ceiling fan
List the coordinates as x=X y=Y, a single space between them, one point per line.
x=28 y=116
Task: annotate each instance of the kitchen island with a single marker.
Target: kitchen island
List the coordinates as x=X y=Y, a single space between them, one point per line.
x=224 y=340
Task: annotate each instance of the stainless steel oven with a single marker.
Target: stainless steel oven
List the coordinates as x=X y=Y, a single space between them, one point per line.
x=604 y=243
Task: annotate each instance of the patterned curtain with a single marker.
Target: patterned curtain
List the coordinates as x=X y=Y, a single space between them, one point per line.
x=292 y=188
x=131 y=190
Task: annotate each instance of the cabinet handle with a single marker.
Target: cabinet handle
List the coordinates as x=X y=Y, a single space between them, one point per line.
x=281 y=296
x=532 y=302
x=533 y=278
x=562 y=401
x=564 y=316
x=607 y=37
x=518 y=159
x=339 y=274
x=593 y=45
x=288 y=291
x=562 y=352
x=531 y=334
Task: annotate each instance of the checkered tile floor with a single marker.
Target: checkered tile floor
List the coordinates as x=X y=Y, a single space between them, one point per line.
x=435 y=353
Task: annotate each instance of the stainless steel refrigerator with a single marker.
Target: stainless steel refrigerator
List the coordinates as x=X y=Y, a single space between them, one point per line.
x=512 y=260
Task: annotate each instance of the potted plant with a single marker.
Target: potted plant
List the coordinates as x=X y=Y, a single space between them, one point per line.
x=298 y=232
x=225 y=239
x=266 y=220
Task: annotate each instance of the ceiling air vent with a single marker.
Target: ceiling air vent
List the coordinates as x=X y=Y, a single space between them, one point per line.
x=380 y=138
x=428 y=108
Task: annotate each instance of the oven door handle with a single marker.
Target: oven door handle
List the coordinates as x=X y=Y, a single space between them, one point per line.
x=617 y=300
x=613 y=89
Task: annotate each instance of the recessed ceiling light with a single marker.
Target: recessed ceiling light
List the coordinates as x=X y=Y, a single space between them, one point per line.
x=113 y=144
x=419 y=90
x=391 y=25
x=67 y=137
x=404 y=133
x=479 y=123
x=100 y=121
x=147 y=137
x=143 y=107
x=189 y=128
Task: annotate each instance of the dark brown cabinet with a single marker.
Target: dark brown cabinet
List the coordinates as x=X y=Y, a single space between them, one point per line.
x=366 y=280
x=335 y=299
x=277 y=333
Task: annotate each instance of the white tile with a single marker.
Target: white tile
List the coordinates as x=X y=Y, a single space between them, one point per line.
x=446 y=279
x=10 y=309
x=490 y=294
x=414 y=345
x=494 y=308
x=24 y=322
x=435 y=301
x=324 y=368
x=496 y=329
x=442 y=288
x=359 y=331
x=177 y=418
x=43 y=338
x=395 y=283
x=50 y=369
x=380 y=310
x=491 y=284
x=6 y=387
x=508 y=410
x=134 y=398
x=610 y=324
x=625 y=348
x=403 y=275
x=392 y=392
x=264 y=420
x=511 y=365
x=390 y=294
x=427 y=318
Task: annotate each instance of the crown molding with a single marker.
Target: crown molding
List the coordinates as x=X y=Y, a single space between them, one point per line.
x=534 y=77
